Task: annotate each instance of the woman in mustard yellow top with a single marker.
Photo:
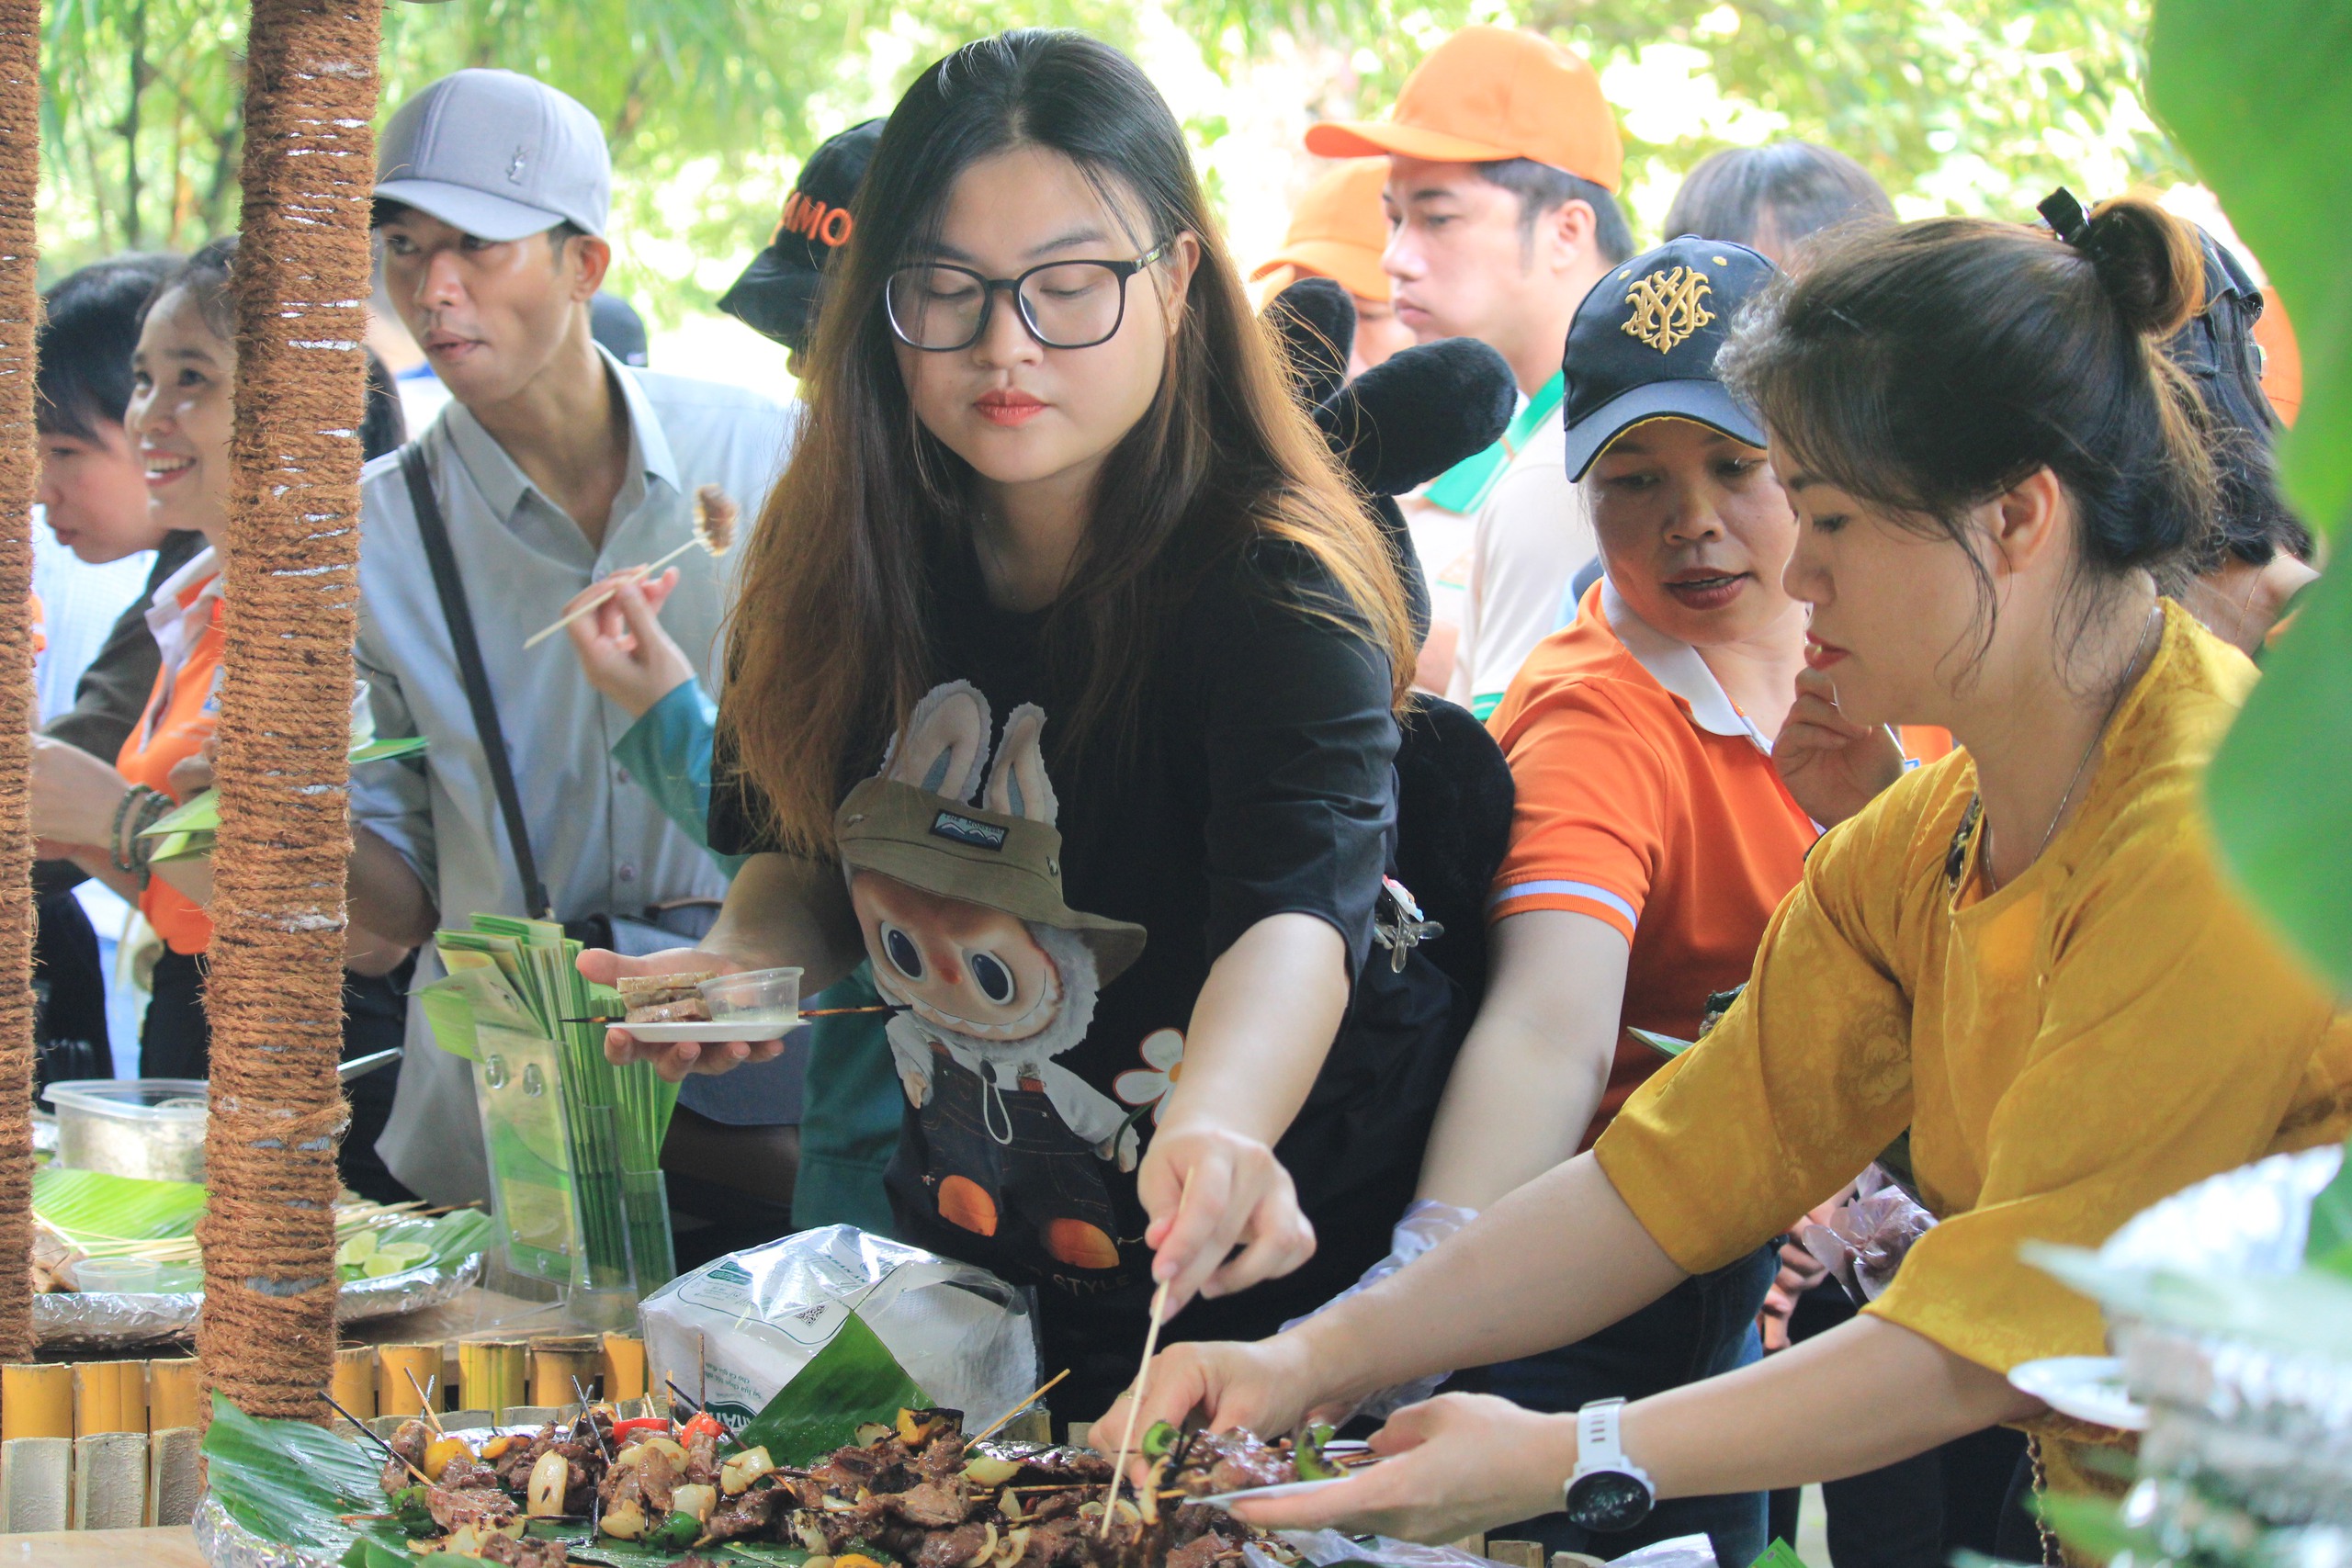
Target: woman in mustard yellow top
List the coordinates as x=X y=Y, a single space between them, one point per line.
x=2025 y=953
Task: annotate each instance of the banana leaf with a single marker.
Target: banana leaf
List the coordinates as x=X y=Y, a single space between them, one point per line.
x=286 y=1481
x=855 y=1379
x=96 y=1206
x=2329 y=1243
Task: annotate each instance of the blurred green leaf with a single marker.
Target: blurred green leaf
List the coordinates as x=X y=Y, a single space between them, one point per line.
x=2329 y=1245
x=2258 y=98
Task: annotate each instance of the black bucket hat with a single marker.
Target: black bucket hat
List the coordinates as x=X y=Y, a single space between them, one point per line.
x=777 y=293
x=1644 y=345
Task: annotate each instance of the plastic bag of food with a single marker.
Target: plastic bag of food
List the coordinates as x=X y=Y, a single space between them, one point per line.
x=734 y=1331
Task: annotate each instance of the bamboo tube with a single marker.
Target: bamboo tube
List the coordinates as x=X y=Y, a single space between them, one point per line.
x=491 y=1373
x=355 y=1380
x=109 y=1396
x=624 y=1367
x=564 y=1367
x=175 y=1394
x=35 y=1401
x=395 y=1365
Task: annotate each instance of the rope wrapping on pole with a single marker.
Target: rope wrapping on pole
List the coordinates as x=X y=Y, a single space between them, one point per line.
x=19 y=469
x=275 y=996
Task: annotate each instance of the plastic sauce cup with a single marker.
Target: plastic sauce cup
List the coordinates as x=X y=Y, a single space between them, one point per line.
x=117 y=1275
x=757 y=995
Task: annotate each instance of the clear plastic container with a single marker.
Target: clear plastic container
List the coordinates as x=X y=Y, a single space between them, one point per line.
x=152 y=1128
x=757 y=995
x=118 y=1275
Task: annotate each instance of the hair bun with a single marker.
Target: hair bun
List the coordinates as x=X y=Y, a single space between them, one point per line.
x=2148 y=261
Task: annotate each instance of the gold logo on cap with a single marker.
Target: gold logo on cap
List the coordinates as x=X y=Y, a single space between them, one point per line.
x=1666 y=306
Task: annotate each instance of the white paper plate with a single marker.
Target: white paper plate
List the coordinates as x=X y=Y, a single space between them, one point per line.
x=705 y=1034
x=1280 y=1489
x=2088 y=1387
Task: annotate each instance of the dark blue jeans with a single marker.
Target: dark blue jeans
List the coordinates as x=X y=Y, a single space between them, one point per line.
x=1703 y=1327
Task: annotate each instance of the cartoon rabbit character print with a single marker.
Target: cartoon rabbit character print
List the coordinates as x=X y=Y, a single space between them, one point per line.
x=958 y=890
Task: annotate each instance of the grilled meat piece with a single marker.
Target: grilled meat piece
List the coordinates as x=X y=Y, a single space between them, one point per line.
x=523 y=1554
x=936 y=1505
x=1231 y=1462
x=751 y=1513
x=952 y=1549
x=485 y=1508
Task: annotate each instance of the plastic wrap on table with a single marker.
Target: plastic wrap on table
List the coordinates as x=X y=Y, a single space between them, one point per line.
x=98 y=1319
x=1330 y=1548
x=735 y=1331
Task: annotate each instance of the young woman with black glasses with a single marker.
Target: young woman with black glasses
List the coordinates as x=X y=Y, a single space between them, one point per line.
x=1064 y=686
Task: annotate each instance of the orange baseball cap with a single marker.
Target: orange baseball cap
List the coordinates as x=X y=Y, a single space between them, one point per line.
x=1338 y=230
x=1487 y=93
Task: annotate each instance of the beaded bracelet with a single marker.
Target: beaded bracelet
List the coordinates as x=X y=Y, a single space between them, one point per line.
x=118 y=852
x=151 y=810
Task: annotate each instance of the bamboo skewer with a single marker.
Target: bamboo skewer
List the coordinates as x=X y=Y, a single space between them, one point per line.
x=1017 y=1409
x=390 y=1451
x=1134 y=1406
x=713 y=531
x=425 y=1399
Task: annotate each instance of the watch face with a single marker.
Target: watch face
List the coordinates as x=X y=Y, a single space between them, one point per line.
x=1609 y=1500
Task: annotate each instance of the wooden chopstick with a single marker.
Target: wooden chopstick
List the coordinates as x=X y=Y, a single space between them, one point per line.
x=1024 y=1404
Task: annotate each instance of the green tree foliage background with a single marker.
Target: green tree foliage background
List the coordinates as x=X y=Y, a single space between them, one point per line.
x=1969 y=105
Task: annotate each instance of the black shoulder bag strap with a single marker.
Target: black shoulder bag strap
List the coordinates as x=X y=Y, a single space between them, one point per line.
x=434 y=531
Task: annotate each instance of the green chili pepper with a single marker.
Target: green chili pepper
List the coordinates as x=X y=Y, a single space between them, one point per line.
x=1309 y=1459
x=676 y=1529
x=1160 y=1441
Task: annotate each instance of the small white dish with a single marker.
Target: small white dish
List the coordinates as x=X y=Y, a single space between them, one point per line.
x=707 y=1033
x=2088 y=1387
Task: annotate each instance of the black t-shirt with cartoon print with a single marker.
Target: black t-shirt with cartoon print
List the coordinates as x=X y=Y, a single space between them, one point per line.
x=1036 y=1041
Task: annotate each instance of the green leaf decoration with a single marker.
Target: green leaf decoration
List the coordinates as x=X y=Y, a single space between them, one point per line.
x=2329 y=1245
x=2257 y=97
x=1664 y=1044
x=96 y=1206
x=855 y=1379
x=286 y=1480
x=377 y=750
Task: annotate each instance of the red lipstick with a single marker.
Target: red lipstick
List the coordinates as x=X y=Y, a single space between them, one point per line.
x=1008 y=407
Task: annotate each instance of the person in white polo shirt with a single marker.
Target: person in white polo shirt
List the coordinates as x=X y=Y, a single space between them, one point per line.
x=1503 y=165
x=554 y=464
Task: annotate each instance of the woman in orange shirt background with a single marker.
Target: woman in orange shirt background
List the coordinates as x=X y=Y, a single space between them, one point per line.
x=181 y=419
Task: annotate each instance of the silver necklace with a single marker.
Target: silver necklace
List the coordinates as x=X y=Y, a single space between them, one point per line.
x=2155 y=619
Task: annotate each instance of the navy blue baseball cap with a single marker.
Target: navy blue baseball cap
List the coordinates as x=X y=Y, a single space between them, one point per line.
x=777 y=293
x=1644 y=345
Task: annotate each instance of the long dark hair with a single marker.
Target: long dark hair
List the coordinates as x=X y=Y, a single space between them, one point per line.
x=829 y=638
x=1928 y=368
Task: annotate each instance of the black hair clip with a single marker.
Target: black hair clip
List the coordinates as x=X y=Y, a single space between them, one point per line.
x=2065 y=217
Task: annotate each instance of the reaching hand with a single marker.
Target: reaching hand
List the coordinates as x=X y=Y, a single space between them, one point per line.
x=1833 y=766
x=1266 y=1387
x=623 y=649
x=192 y=774
x=1209 y=1190
x=673 y=1059
x=1459 y=1462
x=73 y=794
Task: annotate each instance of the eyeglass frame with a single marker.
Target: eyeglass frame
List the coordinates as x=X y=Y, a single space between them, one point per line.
x=1123 y=270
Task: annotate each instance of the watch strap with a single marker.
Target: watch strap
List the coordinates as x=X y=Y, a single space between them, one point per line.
x=1599 y=1446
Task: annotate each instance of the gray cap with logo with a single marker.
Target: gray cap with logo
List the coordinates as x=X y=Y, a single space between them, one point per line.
x=497 y=154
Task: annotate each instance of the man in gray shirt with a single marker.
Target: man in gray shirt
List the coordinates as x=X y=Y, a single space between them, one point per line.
x=554 y=465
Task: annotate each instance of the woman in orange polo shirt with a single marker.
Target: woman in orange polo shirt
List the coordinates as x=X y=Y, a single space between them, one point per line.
x=181 y=418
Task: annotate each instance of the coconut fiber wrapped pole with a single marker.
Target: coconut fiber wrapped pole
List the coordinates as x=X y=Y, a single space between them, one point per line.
x=275 y=993
x=19 y=465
